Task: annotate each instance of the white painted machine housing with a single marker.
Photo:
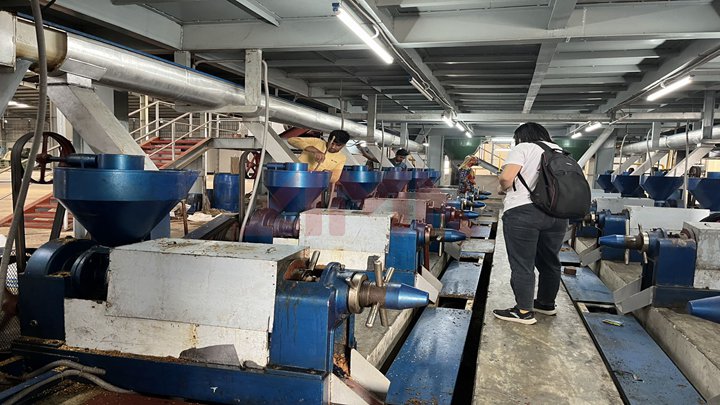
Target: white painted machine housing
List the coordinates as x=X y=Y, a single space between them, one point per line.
x=616 y=204
x=169 y=295
x=670 y=219
x=707 y=265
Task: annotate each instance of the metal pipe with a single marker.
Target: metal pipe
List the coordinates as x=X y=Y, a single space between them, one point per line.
x=674 y=142
x=127 y=70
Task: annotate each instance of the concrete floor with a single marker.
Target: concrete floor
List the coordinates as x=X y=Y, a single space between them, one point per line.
x=552 y=362
x=691 y=342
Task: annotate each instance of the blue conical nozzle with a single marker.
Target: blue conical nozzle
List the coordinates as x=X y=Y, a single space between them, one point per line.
x=451 y=235
x=470 y=214
x=401 y=296
x=478 y=204
x=485 y=193
x=616 y=241
x=453 y=203
x=481 y=197
x=706 y=308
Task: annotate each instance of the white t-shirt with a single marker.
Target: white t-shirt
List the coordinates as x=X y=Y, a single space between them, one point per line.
x=527 y=155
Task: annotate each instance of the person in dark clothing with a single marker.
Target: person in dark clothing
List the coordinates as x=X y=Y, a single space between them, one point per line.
x=399 y=159
x=532 y=237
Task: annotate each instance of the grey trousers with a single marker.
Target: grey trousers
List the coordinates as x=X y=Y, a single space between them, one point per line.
x=533 y=239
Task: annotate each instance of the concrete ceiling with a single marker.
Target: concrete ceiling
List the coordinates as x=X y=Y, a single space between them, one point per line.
x=483 y=56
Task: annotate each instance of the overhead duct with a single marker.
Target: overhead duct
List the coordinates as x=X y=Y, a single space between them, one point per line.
x=125 y=69
x=676 y=141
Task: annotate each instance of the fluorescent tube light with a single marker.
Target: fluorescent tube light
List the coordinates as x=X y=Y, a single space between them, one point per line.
x=371 y=42
x=593 y=126
x=468 y=134
x=421 y=89
x=425 y=144
x=576 y=135
x=447 y=120
x=459 y=126
x=670 y=88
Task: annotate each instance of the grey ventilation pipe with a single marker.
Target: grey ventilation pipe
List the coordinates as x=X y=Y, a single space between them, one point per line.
x=124 y=69
x=676 y=141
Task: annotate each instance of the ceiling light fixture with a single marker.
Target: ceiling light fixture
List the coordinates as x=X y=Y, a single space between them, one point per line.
x=576 y=135
x=352 y=23
x=665 y=90
x=447 y=120
x=425 y=144
x=421 y=89
x=593 y=126
x=459 y=126
x=468 y=134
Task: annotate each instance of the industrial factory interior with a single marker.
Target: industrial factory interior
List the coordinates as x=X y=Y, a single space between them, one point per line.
x=360 y=202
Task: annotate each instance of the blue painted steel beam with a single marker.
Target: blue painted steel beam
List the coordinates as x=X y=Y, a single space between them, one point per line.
x=643 y=372
x=426 y=369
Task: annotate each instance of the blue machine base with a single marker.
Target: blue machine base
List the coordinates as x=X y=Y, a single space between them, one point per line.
x=460 y=280
x=586 y=286
x=426 y=369
x=638 y=365
x=193 y=381
x=568 y=256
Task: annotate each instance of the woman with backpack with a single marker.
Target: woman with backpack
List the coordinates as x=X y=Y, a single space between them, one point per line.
x=533 y=236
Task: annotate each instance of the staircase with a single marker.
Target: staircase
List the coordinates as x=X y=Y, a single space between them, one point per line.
x=39 y=215
x=167 y=156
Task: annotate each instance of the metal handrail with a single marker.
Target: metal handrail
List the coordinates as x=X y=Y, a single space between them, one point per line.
x=157 y=130
x=144 y=126
x=153 y=104
x=179 y=138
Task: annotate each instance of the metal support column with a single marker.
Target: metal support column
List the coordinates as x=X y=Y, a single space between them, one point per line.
x=626 y=164
x=646 y=165
x=9 y=82
x=371 y=117
x=277 y=148
x=692 y=159
x=708 y=115
x=92 y=119
x=604 y=158
x=600 y=141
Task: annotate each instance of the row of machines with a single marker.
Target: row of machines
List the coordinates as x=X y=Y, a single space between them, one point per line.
x=678 y=248
x=271 y=321
x=372 y=215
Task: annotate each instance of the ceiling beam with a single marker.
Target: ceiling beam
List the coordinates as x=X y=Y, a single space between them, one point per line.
x=547 y=50
x=471 y=28
x=668 y=68
x=257 y=10
x=133 y=20
x=413 y=63
x=560 y=11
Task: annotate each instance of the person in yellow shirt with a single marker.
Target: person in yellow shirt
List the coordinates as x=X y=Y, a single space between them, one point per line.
x=321 y=155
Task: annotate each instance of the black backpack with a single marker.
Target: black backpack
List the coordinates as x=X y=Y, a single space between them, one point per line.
x=562 y=191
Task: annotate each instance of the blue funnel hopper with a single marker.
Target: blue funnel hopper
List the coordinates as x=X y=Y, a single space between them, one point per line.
x=394 y=181
x=434 y=177
x=115 y=199
x=707 y=193
x=291 y=187
x=605 y=181
x=420 y=178
x=358 y=182
x=628 y=186
x=660 y=188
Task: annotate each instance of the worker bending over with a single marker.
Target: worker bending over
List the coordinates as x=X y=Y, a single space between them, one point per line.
x=321 y=155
